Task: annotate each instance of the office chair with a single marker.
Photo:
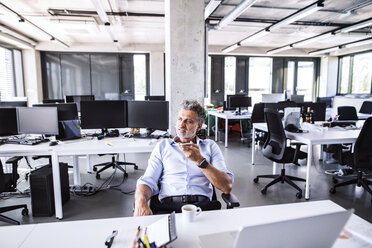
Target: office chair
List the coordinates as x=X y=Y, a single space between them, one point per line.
x=258 y=116
x=360 y=160
x=366 y=107
x=347 y=113
x=276 y=150
x=114 y=164
x=230 y=199
x=8 y=183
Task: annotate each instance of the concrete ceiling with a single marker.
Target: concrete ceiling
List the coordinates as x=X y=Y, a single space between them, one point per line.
x=139 y=24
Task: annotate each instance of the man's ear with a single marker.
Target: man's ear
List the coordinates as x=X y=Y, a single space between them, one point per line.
x=199 y=126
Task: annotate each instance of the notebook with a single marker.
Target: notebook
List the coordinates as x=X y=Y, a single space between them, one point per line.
x=315 y=231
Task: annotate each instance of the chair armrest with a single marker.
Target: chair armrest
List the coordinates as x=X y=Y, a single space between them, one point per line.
x=231 y=200
x=14 y=159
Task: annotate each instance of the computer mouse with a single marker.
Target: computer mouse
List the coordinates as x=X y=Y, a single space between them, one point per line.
x=53 y=143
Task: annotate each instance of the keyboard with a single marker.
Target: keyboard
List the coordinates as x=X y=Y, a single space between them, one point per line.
x=342 y=123
x=20 y=141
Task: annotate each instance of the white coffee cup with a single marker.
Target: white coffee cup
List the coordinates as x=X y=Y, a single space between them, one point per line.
x=189 y=212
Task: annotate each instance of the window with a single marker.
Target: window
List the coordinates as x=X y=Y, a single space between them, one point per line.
x=230 y=71
x=355 y=74
x=305 y=79
x=260 y=76
x=11 y=74
x=139 y=62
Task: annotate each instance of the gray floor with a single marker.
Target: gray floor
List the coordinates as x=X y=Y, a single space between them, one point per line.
x=113 y=203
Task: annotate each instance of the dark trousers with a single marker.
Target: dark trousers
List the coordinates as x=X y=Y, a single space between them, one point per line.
x=164 y=208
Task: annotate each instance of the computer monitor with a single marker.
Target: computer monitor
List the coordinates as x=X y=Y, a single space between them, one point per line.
x=8 y=121
x=155 y=98
x=327 y=100
x=239 y=101
x=79 y=98
x=148 y=114
x=66 y=111
x=36 y=120
x=103 y=114
x=13 y=104
x=54 y=101
x=275 y=97
x=297 y=98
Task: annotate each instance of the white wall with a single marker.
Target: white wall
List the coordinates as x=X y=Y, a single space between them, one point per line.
x=328 y=76
x=32 y=76
x=157 y=73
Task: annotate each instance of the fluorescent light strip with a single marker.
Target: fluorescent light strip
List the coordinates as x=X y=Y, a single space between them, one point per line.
x=17 y=35
x=100 y=11
x=243 y=6
x=280 y=49
x=212 y=5
x=327 y=50
x=313 y=39
x=298 y=15
x=357 y=26
x=117 y=44
x=59 y=42
x=255 y=36
x=358 y=43
x=15 y=41
x=230 y=48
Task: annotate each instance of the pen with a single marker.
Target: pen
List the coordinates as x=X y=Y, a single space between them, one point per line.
x=136 y=238
x=110 y=239
x=147 y=244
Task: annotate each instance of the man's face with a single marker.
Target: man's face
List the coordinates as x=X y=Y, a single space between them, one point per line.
x=187 y=124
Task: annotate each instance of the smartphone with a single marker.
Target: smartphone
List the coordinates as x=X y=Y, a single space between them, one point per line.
x=186 y=144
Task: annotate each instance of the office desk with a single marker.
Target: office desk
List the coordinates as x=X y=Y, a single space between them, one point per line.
x=75 y=148
x=227 y=115
x=92 y=233
x=331 y=136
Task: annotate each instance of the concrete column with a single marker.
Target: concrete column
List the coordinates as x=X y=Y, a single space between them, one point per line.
x=157 y=74
x=185 y=51
x=32 y=76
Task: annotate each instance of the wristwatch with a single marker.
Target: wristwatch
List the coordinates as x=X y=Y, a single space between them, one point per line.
x=203 y=164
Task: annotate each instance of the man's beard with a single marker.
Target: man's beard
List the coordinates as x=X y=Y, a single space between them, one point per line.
x=189 y=134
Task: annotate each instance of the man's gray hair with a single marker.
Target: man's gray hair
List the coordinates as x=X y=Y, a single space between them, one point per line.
x=196 y=107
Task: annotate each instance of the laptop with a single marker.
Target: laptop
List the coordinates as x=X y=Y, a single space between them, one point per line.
x=314 y=231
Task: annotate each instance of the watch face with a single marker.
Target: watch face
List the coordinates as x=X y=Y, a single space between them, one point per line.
x=203 y=164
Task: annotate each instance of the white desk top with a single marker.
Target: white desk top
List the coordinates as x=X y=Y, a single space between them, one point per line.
x=230 y=115
x=92 y=233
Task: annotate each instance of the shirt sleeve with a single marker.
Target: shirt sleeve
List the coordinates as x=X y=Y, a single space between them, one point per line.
x=153 y=171
x=218 y=161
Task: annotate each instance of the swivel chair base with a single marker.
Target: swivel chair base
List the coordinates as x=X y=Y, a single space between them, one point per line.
x=281 y=178
x=113 y=164
x=10 y=208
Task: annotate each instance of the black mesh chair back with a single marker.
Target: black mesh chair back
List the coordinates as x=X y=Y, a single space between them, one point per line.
x=258 y=113
x=366 y=107
x=275 y=143
x=362 y=147
x=347 y=113
x=287 y=104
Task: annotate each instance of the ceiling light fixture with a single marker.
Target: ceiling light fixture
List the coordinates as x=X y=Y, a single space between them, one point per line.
x=359 y=25
x=211 y=6
x=299 y=14
x=358 y=43
x=313 y=39
x=327 y=50
x=100 y=11
x=230 y=48
x=117 y=44
x=243 y=6
x=255 y=36
x=53 y=39
x=17 y=35
x=15 y=41
x=278 y=50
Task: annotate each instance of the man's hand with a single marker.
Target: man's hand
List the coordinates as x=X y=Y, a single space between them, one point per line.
x=192 y=152
x=141 y=208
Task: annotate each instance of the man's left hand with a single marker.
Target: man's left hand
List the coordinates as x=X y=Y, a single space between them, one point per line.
x=192 y=152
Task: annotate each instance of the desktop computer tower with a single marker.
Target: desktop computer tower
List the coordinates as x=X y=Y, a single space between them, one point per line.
x=42 y=194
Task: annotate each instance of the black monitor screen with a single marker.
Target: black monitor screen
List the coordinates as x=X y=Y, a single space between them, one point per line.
x=327 y=100
x=155 y=98
x=103 y=114
x=79 y=98
x=148 y=114
x=8 y=121
x=239 y=101
x=54 y=101
x=37 y=120
x=13 y=104
x=66 y=111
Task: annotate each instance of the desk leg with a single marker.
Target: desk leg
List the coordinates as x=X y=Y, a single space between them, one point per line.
x=253 y=144
x=57 y=186
x=89 y=167
x=216 y=128
x=274 y=168
x=226 y=132
x=309 y=157
x=77 y=180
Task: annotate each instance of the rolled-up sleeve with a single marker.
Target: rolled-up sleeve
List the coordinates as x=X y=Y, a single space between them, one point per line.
x=153 y=170
x=218 y=161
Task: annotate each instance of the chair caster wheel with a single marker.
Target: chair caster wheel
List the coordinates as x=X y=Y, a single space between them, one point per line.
x=255 y=180
x=94 y=168
x=332 y=190
x=136 y=167
x=263 y=191
x=299 y=195
x=24 y=212
x=98 y=176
